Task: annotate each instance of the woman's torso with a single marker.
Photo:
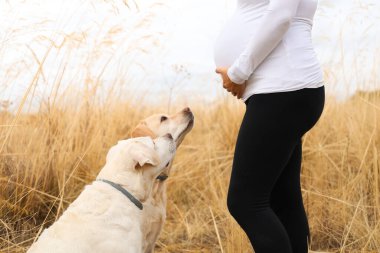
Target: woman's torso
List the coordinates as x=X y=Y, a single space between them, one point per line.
x=291 y=65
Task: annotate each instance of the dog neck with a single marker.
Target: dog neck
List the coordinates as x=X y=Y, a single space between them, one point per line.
x=123 y=191
x=132 y=182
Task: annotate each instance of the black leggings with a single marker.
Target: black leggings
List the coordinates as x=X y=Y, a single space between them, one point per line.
x=264 y=194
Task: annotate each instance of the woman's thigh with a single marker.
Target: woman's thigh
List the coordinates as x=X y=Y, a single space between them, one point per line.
x=271 y=128
x=262 y=149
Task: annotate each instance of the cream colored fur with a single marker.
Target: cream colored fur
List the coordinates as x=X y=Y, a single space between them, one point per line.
x=178 y=125
x=102 y=219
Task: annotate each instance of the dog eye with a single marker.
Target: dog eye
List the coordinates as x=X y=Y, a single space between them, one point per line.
x=167 y=164
x=163 y=118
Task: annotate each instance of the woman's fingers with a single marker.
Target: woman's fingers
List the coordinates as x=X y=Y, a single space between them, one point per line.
x=234 y=89
x=238 y=90
x=221 y=70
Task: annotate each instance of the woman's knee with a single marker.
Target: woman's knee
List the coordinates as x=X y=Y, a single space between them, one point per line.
x=236 y=199
x=240 y=202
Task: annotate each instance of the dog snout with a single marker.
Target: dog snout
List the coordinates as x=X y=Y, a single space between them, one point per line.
x=188 y=113
x=169 y=136
x=187 y=110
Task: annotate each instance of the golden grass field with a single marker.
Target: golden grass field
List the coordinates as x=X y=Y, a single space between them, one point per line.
x=46 y=158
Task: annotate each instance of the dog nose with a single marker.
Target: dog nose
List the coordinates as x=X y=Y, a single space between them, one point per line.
x=186 y=110
x=169 y=136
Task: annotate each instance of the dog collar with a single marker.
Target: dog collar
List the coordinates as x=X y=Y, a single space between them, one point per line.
x=124 y=191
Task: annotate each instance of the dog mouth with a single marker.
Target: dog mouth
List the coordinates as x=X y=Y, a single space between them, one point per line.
x=163 y=176
x=189 y=126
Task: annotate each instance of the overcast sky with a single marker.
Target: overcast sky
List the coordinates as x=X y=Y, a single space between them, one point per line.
x=148 y=42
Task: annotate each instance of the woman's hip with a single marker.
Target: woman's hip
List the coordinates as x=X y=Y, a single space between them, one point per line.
x=296 y=111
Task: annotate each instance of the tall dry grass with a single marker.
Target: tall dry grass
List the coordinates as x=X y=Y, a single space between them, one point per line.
x=46 y=159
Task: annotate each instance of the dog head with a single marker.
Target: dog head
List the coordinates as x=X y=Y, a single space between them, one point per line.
x=177 y=124
x=140 y=158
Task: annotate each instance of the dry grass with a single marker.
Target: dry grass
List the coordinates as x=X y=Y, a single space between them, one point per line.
x=47 y=158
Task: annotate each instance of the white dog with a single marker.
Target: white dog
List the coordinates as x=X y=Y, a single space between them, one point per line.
x=107 y=216
x=178 y=125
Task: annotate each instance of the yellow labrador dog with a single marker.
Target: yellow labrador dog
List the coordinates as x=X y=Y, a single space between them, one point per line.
x=178 y=125
x=107 y=217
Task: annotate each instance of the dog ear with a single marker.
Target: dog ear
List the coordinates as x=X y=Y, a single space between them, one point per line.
x=142 y=130
x=144 y=153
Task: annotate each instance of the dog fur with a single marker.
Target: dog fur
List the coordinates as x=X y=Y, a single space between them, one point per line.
x=102 y=219
x=178 y=125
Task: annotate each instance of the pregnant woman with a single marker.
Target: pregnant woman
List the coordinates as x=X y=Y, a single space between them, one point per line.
x=265 y=57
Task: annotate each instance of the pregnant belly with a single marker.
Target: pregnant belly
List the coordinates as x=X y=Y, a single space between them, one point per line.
x=293 y=56
x=232 y=40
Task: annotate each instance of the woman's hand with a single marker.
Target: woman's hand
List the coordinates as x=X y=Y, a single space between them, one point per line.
x=235 y=89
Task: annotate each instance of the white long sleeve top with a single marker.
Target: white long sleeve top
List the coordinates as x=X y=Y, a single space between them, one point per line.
x=268 y=44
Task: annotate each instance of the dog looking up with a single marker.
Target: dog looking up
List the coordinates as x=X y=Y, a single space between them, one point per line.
x=108 y=214
x=178 y=125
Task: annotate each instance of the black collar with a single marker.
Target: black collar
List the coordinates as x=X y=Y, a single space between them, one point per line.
x=124 y=191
